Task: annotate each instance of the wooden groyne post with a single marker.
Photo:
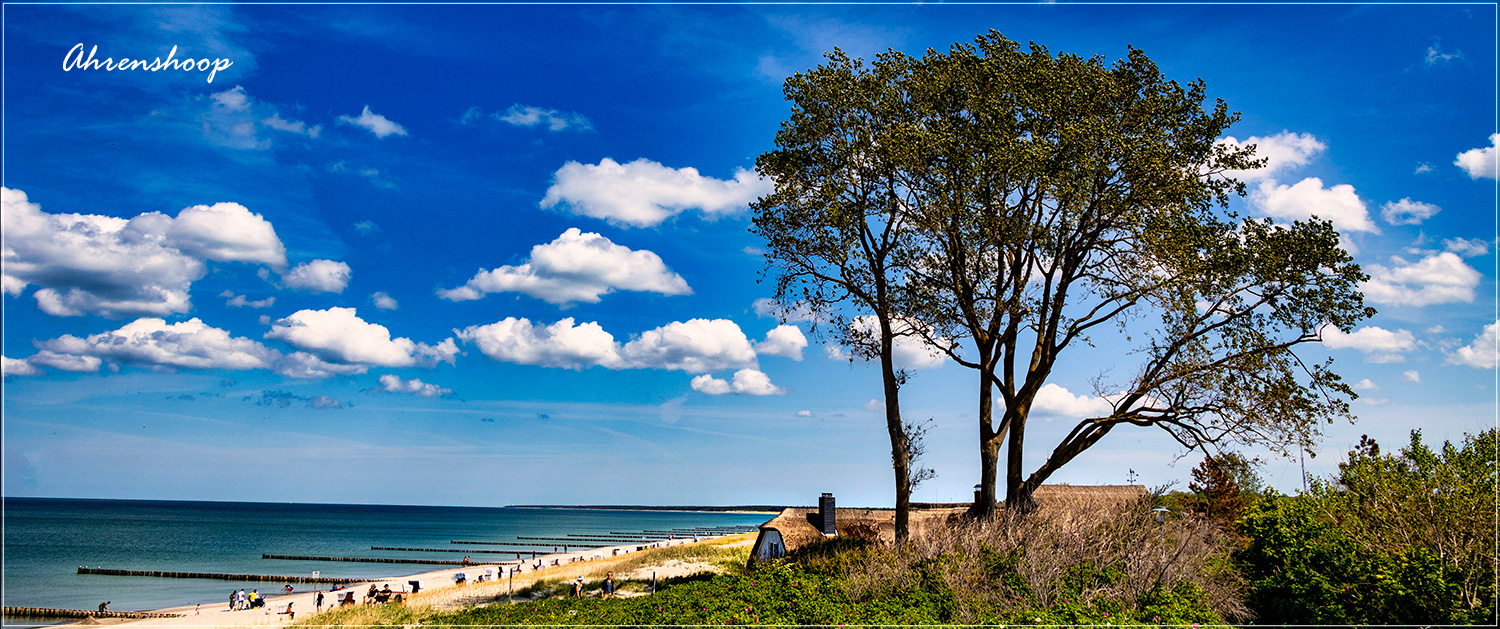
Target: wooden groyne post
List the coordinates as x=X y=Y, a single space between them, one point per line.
x=220 y=576
x=434 y=562
x=50 y=612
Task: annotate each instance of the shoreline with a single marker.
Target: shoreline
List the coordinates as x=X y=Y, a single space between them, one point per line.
x=303 y=603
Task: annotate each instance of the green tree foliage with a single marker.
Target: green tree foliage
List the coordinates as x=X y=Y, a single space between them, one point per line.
x=1021 y=201
x=1393 y=539
x=1224 y=485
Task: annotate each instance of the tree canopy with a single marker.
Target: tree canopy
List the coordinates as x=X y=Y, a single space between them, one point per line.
x=1026 y=201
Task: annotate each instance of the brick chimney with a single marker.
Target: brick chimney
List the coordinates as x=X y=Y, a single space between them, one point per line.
x=825 y=512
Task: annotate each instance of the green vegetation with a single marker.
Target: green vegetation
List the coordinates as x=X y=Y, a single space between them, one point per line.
x=1394 y=539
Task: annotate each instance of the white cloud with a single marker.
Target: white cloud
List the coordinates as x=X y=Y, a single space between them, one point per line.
x=241 y=301
x=694 y=346
x=318 y=276
x=1436 y=56
x=1407 y=212
x=13 y=367
x=1283 y=151
x=367 y=228
x=1379 y=345
x=644 y=193
x=1480 y=162
x=339 y=334
x=1052 y=399
x=709 y=385
x=770 y=308
x=1308 y=198
x=1411 y=375
x=575 y=267
x=375 y=123
x=1423 y=167
x=875 y=406
x=783 y=340
x=561 y=344
x=1441 y=278
x=66 y=362
x=93 y=264
x=1467 y=247
x=383 y=301
x=307 y=366
x=151 y=341
x=1480 y=354
x=291 y=126
x=746 y=382
x=804 y=413
x=391 y=383
x=908 y=351
x=528 y=116
x=1365 y=385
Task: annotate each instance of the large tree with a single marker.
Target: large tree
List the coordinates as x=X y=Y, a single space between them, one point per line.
x=1062 y=197
x=835 y=225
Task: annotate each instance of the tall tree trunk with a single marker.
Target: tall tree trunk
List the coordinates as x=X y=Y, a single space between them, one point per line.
x=900 y=446
x=989 y=450
x=1017 y=495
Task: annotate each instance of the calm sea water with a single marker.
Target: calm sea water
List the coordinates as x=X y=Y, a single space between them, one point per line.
x=47 y=539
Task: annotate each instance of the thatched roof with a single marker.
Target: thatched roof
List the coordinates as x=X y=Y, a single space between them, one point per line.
x=798 y=526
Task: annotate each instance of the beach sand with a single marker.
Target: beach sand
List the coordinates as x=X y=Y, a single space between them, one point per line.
x=438 y=587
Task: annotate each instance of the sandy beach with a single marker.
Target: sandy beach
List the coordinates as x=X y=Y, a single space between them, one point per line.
x=437 y=587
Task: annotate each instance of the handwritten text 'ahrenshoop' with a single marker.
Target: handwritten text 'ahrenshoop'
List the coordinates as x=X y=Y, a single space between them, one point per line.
x=75 y=59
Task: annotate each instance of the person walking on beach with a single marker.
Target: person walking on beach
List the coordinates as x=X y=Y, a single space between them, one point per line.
x=320 y=601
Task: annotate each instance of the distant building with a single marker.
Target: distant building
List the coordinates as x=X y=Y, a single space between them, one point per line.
x=796 y=527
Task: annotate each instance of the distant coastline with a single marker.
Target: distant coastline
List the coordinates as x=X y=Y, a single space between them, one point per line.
x=712 y=509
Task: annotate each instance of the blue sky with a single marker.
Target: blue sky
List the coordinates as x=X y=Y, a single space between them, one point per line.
x=485 y=255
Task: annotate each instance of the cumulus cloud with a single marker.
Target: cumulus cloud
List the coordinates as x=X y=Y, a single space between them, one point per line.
x=1364 y=385
x=1052 y=399
x=391 y=383
x=1411 y=375
x=318 y=276
x=694 y=346
x=338 y=334
x=575 y=267
x=291 y=126
x=875 y=406
x=1436 y=56
x=150 y=341
x=307 y=366
x=1467 y=247
x=1440 y=278
x=908 y=350
x=1308 y=198
x=1407 y=212
x=93 y=264
x=783 y=340
x=13 y=367
x=554 y=120
x=374 y=123
x=644 y=193
x=746 y=382
x=561 y=344
x=1379 y=345
x=383 y=301
x=241 y=301
x=1480 y=354
x=1480 y=162
x=1283 y=151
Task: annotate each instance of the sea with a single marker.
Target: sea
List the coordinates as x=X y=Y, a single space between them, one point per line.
x=47 y=540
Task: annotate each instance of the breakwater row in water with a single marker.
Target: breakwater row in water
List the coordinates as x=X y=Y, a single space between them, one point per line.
x=169 y=574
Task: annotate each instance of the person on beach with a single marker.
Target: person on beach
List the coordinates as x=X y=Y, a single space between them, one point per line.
x=232 y=596
x=104 y=607
x=290 y=615
x=241 y=600
x=578 y=587
x=319 y=601
x=288 y=588
x=609 y=584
